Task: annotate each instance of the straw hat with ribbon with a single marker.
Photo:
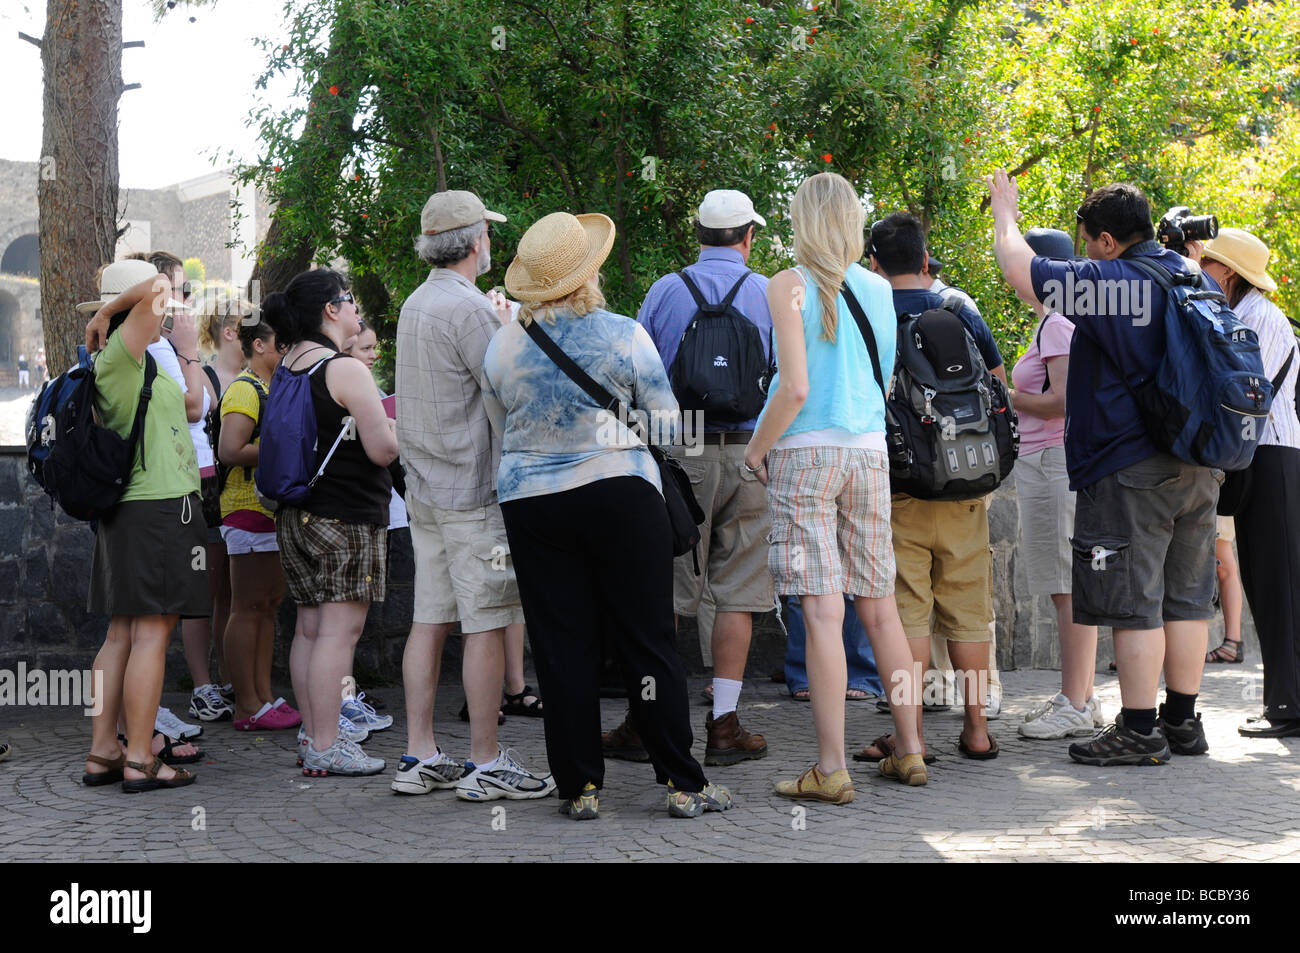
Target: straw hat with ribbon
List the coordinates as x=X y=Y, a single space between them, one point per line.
x=1243 y=253
x=116 y=278
x=558 y=255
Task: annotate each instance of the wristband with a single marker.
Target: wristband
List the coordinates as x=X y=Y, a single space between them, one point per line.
x=762 y=463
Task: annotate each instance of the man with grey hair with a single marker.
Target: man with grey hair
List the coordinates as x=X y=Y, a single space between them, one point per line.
x=463 y=571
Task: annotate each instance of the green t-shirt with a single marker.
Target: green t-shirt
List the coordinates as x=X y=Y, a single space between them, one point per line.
x=170 y=468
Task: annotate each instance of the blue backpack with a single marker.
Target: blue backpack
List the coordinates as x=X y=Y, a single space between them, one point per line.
x=81 y=465
x=1209 y=399
x=286 y=454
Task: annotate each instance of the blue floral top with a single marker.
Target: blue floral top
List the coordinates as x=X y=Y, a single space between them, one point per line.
x=554 y=436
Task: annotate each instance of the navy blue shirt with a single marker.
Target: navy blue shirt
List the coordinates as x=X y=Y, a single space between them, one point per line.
x=1119 y=320
x=917 y=300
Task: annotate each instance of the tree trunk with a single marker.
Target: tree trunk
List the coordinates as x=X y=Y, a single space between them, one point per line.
x=77 y=191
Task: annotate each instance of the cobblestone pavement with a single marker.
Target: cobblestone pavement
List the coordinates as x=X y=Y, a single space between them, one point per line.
x=1032 y=803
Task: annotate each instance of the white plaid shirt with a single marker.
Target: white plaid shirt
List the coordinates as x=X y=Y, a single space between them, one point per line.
x=1275 y=342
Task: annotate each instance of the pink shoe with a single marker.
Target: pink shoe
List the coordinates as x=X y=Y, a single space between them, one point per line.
x=284 y=717
x=281 y=705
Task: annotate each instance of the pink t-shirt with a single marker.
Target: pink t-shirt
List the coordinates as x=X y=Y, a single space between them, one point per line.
x=1037 y=433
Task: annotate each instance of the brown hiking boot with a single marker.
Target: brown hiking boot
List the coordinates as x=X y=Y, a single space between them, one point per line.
x=623 y=742
x=728 y=742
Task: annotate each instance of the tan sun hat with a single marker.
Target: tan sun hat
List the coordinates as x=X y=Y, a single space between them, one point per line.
x=455 y=209
x=1243 y=253
x=558 y=254
x=116 y=278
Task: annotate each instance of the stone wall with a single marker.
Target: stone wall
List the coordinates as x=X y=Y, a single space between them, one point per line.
x=45 y=568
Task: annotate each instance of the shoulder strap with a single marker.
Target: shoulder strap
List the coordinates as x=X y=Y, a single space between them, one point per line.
x=953 y=303
x=142 y=406
x=1281 y=375
x=603 y=398
x=691 y=286
x=867 y=335
x=213 y=379
x=735 y=289
x=1038 y=342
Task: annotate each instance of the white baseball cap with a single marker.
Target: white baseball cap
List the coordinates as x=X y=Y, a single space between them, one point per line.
x=727 y=208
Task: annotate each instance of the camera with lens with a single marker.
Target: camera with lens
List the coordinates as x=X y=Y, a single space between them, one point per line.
x=1179 y=226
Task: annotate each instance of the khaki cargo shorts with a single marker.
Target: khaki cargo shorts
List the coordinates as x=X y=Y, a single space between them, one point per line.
x=463 y=569
x=944 y=566
x=733 y=538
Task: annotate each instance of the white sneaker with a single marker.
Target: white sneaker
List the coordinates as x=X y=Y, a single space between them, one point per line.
x=354 y=733
x=1067 y=722
x=420 y=777
x=362 y=715
x=993 y=705
x=343 y=757
x=1052 y=704
x=173 y=727
x=1094 y=708
x=508 y=779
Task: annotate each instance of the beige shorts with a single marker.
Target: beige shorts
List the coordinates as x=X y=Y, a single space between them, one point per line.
x=944 y=566
x=733 y=538
x=1046 y=520
x=830 y=522
x=463 y=569
x=1225 y=528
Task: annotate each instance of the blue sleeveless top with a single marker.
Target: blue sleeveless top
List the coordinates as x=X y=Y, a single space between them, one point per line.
x=842 y=390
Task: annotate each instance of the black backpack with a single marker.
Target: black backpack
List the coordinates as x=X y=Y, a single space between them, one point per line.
x=720 y=367
x=949 y=425
x=213 y=426
x=86 y=466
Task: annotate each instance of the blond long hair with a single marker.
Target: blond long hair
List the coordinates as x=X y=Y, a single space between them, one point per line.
x=828 y=220
x=218 y=311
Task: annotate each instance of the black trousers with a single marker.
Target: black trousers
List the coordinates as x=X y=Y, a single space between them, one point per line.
x=591 y=561
x=1268 y=546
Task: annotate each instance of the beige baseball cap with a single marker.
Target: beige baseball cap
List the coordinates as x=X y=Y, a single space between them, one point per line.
x=727 y=208
x=454 y=209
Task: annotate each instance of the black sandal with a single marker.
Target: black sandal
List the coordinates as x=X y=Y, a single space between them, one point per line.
x=168 y=752
x=464 y=714
x=514 y=704
x=1217 y=654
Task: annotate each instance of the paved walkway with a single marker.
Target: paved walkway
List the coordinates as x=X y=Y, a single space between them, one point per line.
x=1032 y=803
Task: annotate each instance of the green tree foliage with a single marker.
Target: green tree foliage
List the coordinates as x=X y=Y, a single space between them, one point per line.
x=635 y=108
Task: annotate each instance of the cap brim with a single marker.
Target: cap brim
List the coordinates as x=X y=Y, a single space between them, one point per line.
x=492 y=216
x=89 y=307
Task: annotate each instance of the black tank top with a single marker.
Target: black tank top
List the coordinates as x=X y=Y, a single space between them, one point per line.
x=352 y=488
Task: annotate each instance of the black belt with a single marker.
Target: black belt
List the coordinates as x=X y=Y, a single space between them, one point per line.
x=724 y=437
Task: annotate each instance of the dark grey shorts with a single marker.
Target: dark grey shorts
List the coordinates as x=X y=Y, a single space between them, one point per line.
x=150 y=558
x=1144 y=545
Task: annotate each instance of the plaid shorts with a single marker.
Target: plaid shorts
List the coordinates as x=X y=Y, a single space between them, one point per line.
x=830 y=522
x=328 y=560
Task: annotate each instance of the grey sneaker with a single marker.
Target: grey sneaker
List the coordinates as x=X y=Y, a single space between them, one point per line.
x=714 y=797
x=419 y=777
x=343 y=757
x=509 y=779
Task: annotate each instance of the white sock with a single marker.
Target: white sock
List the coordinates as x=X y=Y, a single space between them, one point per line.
x=263 y=710
x=726 y=692
x=436 y=755
x=490 y=765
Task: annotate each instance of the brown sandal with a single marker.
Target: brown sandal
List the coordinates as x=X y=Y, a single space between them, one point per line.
x=151 y=781
x=885 y=745
x=111 y=776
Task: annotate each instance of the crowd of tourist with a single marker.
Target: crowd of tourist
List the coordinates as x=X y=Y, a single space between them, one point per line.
x=538 y=444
